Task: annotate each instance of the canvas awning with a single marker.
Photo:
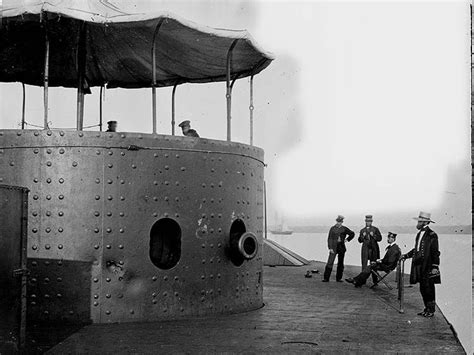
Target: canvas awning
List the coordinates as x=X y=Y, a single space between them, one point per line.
x=116 y=47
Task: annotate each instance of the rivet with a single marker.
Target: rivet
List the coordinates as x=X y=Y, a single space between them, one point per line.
x=48 y=180
x=47 y=246
x=167 y=155
x=176 y=278
x=165 y=293
x=48 y=213
x=166 y=214
x=49 y=133
x=121 y=214
x=109 y=181
x=167 y=167
x=47 y=262
x=61 y=180
x=36 y=150
x=109 y=197
x=177 y=183
x=183 y=168
x=107 y=312
x=34 y=213
x=48 y=230
x=96 y=246
x=59 y=279
x=165 y=278
x=212 y=245
x=74 y=163
x=121 y=230
x=134 y=166
x=109 y=230
x=120 y=246
x=203 y=185
x=12 y=163
x=34 y=247
x=132 y=311
x=48 y=151
x=108 y=279
x=122 y=135
x=81 y=134
x=155 y=155
x=61 y=133
x=96 y=230
x=34 y=230
x=110 y=165
x=36 y=134
x=96 y=296
x=122 y=182
x=176 y=215
x=108 y=246
x=122 y=153
x=48 y=197
x=213 y=170
x=108 y=295
x=166 y=198
x=59 y=295
x=203 y=277
x=203 y=299
x=61 y=151
x=59 y=262
x=61 y=197
x=167 y=182
x=96 y=279
x=97 y=197
x=96 y=303
x=122 y=198
x=109 y=213
x=154 y=301
x=111 y=153
x=154 y=278
x=98 y=152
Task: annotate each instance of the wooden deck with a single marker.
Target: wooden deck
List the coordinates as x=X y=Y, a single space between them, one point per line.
x=300 y=315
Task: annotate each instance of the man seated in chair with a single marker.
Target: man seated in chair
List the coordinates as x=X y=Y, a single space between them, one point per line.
x=387 y=264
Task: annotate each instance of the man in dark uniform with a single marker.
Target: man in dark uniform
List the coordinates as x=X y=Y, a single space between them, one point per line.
x=388 y=263
x=425 y=263
x=338 y=234
x=111 y=126
x=369 y=237
x=187 y=130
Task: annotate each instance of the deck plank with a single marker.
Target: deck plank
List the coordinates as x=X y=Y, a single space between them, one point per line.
x=300 y=315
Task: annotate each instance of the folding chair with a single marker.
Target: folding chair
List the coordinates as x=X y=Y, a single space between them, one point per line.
x=381 y=278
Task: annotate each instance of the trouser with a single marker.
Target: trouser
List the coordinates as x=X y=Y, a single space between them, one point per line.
x=364 y=275
x=365 y=261
x=427 y=290
x=330 y=263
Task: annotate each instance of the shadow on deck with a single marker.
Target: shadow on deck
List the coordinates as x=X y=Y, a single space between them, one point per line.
x=300 y=315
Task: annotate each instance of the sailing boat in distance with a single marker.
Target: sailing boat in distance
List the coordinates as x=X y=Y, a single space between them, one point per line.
x=281 y=229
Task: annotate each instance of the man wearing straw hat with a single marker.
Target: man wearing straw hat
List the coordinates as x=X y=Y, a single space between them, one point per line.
x=369 y=236
x=425 y=263
x=338 y=234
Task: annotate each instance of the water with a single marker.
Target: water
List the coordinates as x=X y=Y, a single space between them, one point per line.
x=453 y=295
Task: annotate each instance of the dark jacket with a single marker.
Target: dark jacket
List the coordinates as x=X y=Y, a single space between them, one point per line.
x=390 y=260
x=369 y=237
x=340 y=233
x=426 y=258
x=191 y=133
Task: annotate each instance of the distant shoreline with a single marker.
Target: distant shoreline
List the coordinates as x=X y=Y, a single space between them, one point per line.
x=461 y=229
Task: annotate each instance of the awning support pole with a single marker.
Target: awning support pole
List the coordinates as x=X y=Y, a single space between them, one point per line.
x=153 y=84
x=229 y=88
x=45 y=82
x=173 y=112
x=265 y=204
x=251 y=110
x=81 y=67
x=23 y=107
x=100 y=108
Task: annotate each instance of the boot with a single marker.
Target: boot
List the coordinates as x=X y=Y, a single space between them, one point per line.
x=327 y=273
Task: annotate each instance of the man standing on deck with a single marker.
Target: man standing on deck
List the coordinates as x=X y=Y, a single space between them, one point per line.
x=369 y=236
x=338 y=234
x=425 y=263
x=187 y=130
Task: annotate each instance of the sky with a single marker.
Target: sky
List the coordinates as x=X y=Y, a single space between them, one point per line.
x=365 y=109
